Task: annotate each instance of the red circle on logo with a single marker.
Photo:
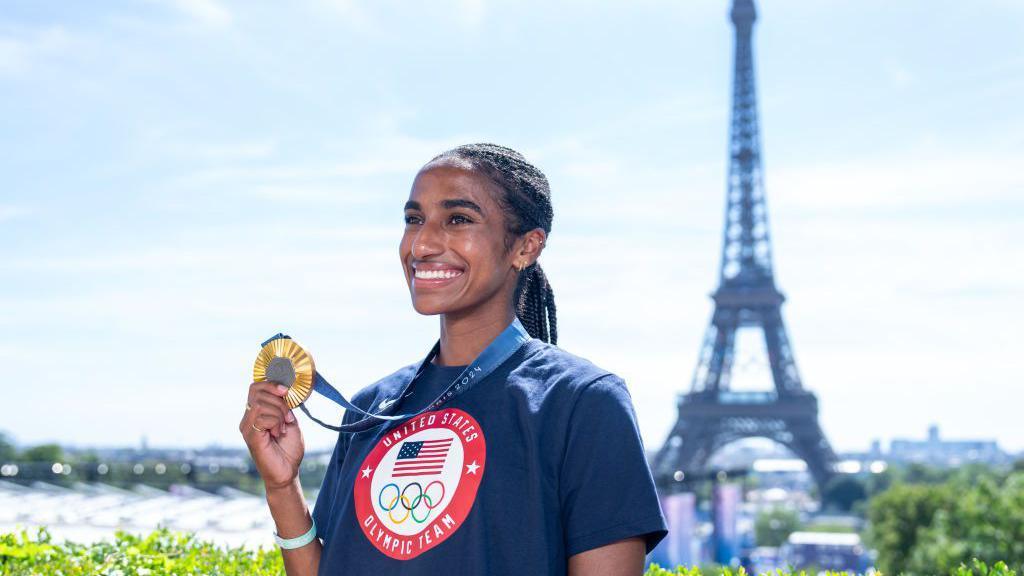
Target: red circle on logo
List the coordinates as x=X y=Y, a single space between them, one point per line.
x=417 y=485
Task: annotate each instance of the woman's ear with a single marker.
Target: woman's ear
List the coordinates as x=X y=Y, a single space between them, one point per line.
x=530 y=246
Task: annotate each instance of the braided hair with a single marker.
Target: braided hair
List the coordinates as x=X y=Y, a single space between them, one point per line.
x=527 y=205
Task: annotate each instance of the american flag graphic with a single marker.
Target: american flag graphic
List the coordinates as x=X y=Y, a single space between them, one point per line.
x=422 y=458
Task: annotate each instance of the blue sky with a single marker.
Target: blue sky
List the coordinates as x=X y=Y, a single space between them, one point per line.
x=180 y=179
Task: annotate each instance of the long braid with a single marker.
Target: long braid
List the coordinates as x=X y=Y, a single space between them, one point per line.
x=535 y=304
x=527 y=205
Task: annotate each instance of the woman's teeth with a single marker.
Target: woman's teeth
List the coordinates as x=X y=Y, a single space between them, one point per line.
x=435 y=274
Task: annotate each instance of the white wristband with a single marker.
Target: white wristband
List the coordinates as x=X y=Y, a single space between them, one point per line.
x=298 y=541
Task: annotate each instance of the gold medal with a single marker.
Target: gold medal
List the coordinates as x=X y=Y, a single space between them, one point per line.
x=283 y=361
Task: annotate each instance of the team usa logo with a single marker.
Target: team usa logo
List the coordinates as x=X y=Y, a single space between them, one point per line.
x=417 y=485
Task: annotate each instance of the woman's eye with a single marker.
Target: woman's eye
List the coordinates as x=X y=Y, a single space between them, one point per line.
x=453 y=219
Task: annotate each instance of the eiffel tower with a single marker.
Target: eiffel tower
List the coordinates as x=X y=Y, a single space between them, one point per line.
x=712 y=414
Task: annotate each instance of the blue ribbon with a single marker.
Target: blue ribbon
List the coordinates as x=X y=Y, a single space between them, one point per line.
x=500 y=349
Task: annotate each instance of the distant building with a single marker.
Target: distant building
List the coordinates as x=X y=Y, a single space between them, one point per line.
x=933 y=451
x=824 y=551
x=939 y=452
x=876 y=449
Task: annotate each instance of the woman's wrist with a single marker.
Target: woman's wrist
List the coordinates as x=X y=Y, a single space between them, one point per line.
x=289 y=509
x=285 y=495
x=285 y=490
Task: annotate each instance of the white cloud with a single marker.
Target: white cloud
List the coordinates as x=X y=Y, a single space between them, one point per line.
x=244 y=150
x=353 y=14
x=10 y=212
x=22 y=49
x=470 y=14
x=898 y=75
x=917 y=178
x=206 y=12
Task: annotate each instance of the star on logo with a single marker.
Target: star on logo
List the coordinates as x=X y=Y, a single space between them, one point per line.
x=366 y=472
x=471 y=468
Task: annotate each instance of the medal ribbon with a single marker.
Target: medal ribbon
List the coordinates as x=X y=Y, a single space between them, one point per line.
x=500 y=349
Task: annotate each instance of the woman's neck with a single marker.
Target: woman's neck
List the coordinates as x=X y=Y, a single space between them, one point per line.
x=463 y=338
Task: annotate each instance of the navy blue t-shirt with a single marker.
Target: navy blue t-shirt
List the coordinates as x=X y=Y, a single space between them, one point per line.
x=539 y=461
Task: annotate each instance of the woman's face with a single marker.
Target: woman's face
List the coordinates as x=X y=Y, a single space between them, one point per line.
x=453 y=250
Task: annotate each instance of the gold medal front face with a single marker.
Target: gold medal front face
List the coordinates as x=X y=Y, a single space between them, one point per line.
x=285 y=362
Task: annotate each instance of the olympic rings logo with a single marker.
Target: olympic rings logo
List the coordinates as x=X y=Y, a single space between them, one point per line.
x=411 y=506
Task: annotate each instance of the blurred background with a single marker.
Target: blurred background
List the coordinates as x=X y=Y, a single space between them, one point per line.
x=182 y=179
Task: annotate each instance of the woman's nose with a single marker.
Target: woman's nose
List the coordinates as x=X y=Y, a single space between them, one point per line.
x=428 y=242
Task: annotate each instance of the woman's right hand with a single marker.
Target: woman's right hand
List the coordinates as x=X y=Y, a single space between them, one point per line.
x=272 y=434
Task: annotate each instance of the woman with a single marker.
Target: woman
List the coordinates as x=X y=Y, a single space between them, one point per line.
x=536 y=467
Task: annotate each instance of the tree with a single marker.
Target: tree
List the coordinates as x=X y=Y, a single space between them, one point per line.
x=986 y=522
x=7 y=450
x=774 y=526
x=931 y=529
x=879 y=482
x=843 y=492
x=917 y=473
x=898 y=515
x=43 y=453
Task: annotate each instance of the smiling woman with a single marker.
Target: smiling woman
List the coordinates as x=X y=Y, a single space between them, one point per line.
x=517 y=457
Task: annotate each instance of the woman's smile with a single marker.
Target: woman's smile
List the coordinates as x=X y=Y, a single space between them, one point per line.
x=434 y=274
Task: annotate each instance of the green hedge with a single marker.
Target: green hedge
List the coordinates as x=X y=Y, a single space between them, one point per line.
x=161 y=553
x=165 y=553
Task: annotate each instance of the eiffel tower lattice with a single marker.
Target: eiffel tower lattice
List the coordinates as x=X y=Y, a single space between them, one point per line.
x=712 y=414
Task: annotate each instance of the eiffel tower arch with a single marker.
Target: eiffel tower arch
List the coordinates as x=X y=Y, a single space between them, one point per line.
x=713 y=414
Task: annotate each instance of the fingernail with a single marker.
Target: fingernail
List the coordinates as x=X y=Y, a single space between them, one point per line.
x=281 y=388
x=289 y=416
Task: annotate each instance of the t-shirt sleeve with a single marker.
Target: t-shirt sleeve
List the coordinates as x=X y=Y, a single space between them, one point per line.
x=606 y=489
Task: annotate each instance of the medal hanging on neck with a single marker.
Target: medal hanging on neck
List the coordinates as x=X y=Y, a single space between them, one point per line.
x=283 y=361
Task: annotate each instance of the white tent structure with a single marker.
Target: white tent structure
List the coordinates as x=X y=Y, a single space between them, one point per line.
x=87 y=513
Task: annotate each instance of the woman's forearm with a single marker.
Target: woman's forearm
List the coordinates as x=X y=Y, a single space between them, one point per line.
x=292 y=518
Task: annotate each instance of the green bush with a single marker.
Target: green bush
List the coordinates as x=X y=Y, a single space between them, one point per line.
x=772 y=527
x=976 y=568
x=923 y=529
x=161 y=553
x=168 y=553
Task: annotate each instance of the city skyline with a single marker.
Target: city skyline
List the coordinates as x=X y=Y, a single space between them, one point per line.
x=186 y=178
